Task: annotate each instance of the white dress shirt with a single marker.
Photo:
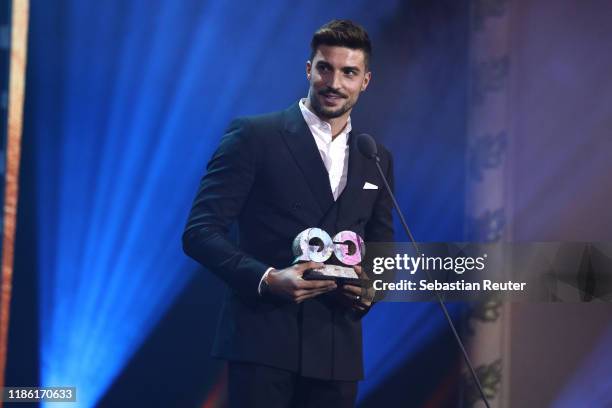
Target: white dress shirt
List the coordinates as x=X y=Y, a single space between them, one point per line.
x=334 y=153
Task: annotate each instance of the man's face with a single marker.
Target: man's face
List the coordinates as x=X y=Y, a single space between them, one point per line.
x=337 y=76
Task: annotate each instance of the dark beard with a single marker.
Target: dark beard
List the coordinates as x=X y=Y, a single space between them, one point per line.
x=323 y=112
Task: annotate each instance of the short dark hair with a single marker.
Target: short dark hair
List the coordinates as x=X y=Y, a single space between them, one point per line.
x=342 y=33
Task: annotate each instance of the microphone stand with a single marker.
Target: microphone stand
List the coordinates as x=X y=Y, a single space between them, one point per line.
x=438 y=296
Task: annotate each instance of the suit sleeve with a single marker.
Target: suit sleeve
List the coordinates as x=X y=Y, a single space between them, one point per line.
x=219 y=201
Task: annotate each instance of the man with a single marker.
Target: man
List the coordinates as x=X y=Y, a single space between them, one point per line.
x=290 y=341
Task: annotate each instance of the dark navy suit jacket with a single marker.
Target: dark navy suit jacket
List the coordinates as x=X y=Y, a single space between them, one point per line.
x=267 y=175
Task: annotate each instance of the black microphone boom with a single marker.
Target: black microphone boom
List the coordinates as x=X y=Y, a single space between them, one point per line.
x=367 y=147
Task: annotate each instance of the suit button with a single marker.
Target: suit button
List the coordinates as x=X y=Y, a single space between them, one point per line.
x=296 y=206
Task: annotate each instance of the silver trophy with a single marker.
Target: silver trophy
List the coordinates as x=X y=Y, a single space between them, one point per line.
x=314 y=244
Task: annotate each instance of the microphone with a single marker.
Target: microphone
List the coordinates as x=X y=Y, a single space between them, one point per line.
x=367 y=147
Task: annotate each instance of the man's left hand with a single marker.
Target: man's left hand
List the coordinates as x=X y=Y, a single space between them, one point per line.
x=360 y=298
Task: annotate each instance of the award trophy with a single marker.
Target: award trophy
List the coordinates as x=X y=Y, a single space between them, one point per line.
x=314 y=244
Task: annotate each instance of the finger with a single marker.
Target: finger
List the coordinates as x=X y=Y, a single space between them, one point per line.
x=360 y=273
x=351 y=296
x=359 y=307
x=316 y=284
x=355 y=290
x=302 y=292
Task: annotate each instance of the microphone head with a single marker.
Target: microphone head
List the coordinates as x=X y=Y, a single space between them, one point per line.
x=367 y=145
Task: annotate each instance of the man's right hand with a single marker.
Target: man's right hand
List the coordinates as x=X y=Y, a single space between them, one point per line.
x=289 y=284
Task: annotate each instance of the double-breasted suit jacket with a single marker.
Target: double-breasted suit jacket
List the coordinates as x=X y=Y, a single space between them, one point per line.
x=268 y=176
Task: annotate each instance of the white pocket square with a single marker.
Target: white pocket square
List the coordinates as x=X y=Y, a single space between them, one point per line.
x=370 y=186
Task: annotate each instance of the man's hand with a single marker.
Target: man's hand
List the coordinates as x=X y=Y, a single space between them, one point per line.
x=357 y=297
x=289 y=284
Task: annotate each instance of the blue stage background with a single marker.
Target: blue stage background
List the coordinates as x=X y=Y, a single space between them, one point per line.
x=125 y=103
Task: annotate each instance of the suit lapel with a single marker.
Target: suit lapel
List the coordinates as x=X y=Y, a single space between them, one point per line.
x=354 y=184
x=355 y=175
x=304 y=149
